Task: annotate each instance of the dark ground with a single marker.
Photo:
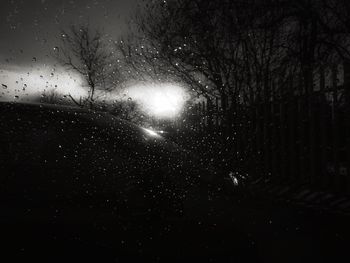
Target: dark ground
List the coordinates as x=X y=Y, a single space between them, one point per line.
x=271 y=227
x=251 y=230
x=244 y=226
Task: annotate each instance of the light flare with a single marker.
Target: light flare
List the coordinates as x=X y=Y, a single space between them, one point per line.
x=159 y=100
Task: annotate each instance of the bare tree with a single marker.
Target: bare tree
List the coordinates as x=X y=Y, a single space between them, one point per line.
x=128 y=110
x=242 y=52
x=195 y=42
x=85 y=52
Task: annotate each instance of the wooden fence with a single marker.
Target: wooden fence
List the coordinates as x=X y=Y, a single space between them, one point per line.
x=302 y=139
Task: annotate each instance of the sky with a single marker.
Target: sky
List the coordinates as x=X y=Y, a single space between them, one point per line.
x=30 y=30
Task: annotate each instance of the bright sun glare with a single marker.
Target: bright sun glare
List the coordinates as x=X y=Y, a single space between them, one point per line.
x=161 y=100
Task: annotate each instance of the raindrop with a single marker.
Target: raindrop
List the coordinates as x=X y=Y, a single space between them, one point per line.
x=16 y=97
x=4 y=86
x=34 y=59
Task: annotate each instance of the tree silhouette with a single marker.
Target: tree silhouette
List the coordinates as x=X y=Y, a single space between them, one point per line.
x=85 y=52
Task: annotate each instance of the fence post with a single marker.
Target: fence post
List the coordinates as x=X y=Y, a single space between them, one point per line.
x=298 y=145
x=273 y=140
x=312 y=112
x=259 y=165
x=333 y=173
x=303 y=139
x=216 y=113
x=202 y=114
x=323 y=128
x=347 y=122
x=283 y=145
x=292 y=136
x=209 y=115
x=266 y=137
x=198 y=111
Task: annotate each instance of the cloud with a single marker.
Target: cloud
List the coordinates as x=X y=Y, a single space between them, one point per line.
x=25 y=83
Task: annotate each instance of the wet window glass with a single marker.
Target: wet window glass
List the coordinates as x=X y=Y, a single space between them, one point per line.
x=174 y=130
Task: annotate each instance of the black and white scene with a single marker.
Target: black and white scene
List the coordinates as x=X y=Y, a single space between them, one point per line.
x=175 y=131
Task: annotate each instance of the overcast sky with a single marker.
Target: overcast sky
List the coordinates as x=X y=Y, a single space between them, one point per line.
x=29 y=31
x=29 y=28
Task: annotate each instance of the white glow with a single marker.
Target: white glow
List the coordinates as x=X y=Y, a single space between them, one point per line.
x=27 y=83
x=161 y=100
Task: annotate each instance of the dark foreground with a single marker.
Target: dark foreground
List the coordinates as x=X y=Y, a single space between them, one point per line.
x=78 y=185
x=250 y=230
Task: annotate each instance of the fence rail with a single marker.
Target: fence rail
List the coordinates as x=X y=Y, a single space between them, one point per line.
x=301 y=139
